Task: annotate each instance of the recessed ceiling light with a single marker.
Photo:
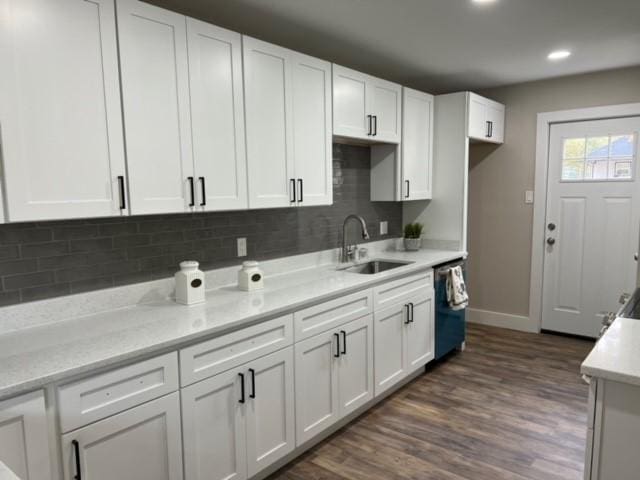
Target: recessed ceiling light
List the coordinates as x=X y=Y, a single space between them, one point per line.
x=558 y=54
x=483 y=1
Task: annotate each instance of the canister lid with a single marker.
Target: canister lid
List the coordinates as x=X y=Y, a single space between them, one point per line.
x=189 y=265
x=250 y=264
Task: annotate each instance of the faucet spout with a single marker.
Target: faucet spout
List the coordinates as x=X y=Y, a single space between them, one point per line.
x=365 y=235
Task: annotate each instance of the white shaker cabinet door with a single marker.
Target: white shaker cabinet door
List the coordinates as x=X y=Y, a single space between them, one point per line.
x=478 y=127
x=270 y=410
x=143 y=443
x=420 y=339
x=316 y=375
x=268 y=106
x=60 y=115
x=214 y=428
x=155 y=89
x=217 y=116
x=385 y=105
x=417 y=145
x=24 y=446
x=312 y=134
x=355 y=377
x=350 y=103
x=389 y=346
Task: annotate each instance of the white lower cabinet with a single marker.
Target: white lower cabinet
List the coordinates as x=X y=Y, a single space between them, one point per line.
x=24 y=446
x=334 y=376
x=143 y=443
x=240 y=421
x=420 y=339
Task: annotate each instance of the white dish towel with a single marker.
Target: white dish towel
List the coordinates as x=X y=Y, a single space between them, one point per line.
x=456 y=289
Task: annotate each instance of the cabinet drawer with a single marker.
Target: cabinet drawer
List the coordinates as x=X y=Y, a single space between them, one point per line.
x=327 y=315
x=400 y=290
x=222 y=353
x=100 y=396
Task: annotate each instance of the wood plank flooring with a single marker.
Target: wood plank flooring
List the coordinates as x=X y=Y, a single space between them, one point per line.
x=511 y=406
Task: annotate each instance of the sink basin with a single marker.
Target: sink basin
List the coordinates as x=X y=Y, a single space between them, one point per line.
x=374 y=266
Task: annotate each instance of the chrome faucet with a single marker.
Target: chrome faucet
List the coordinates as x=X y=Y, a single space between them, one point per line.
x=348 y=252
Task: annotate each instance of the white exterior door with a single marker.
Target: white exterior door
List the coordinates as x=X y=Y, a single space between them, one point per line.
x=316 y=371
x=141 y=443
x=389 y=345
x=155 y=89
x=420 y=346
x=24 y=447
x=267 y=82
x=217 y=116
x=312 y=136
x=385 y=105
x=355 y=374
x=417 y=144
x=350 y=103
x=270 y=410
x=213 y=422
x=592 y=219
x=60 y=109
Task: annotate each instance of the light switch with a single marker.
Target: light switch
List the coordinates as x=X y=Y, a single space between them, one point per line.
x=242 y=247
x=528 y=196
x=384 y=228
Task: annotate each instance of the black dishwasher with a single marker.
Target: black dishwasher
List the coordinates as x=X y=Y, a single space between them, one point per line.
x=450 y=325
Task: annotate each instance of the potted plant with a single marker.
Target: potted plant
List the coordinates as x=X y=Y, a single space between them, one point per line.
x=412 y=233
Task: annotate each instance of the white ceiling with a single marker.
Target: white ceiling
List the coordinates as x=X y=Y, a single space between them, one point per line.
x=440 y=45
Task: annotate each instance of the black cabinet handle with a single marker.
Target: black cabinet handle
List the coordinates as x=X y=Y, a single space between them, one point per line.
x=253 y=383
x=490 y=129
x=204 y=192
x=369 y=120
x=337 y=354
x=242 y=399
x=405 y=308
x=76 y=452
x=408 y=184
x=300 y=184
x=411 y=314
x=292 y=191
x=123 y=197
x=375 y=125
x=192 y=191
x=344 y=342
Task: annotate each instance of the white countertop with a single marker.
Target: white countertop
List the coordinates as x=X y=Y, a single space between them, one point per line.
x=616 y=356
x=6 y=474
x=36 y=356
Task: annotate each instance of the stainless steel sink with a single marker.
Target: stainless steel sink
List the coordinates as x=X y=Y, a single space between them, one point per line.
x=374 y=266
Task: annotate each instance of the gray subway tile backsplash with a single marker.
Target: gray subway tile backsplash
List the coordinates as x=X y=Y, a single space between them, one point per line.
x=48 y=259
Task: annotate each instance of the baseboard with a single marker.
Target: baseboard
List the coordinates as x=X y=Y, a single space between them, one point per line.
x=502 y=320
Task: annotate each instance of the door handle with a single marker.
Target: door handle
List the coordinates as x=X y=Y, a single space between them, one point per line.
x=375 y=125
x=76 y=453
x=551 y=241
x=337 y=337
x=411 y=312
x=408 y=185
x=242 y=398
x=123 y=197
x=344 y=342
x=204 y=192
x=490 y=129
x=192 y=190
x=292 y=190
x=369 y=120
x=406 y=314
x=253 y=383
x=300 y=184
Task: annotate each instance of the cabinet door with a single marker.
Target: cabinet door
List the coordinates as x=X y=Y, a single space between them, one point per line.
x=23 y=437
x=385 y=103
x=270 y=410
x=477 y=111
x=355 y=377
x=60 y=113
x=155 y=90
x=217 y=116
x=267 y=82
x=495 y=115
x=316 y=375
x=350 y=103
x=389 y=346
x=312 y=130
x=214 y=428
x=419 y=336
x=141 y=443
x=417 y=144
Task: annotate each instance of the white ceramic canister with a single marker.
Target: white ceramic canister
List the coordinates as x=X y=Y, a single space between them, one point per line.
x=250 y=277
x=189 y=283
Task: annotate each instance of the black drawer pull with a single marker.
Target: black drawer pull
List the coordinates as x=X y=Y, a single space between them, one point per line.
x=242 y=399
x=253 y=383
x=337 y=337
x=76 y=452
x=344 y=342
x=411 y=316
x=405 y=309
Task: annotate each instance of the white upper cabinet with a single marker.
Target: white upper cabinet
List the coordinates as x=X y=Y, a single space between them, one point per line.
x=60 y=115
x=417 y=144
x=311 y=80
x=217 y=116
x=288 y=118
x=24 y=446
x=155 y=89
x=485 y=119
x=365 y=107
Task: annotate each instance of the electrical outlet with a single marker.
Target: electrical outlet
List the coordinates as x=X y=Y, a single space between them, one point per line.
x=384 y=228
x=528 y=196
x=242 y=247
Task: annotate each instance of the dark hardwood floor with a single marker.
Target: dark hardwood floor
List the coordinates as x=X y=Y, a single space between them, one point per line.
x=511 y=406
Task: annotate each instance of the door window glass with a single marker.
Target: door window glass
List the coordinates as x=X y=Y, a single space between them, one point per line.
x=601 y=158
